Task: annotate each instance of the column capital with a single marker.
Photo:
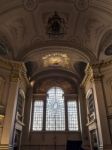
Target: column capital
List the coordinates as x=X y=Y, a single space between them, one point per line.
x=18 y=72
x=15 y=75
x=88 y=76
x=96 y=72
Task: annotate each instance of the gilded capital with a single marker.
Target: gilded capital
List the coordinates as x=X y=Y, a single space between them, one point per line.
x=14 y=76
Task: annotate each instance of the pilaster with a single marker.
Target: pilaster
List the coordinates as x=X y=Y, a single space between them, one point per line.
x=83 y=112
x=10 y=111
x=100 y=107
x=27 y=120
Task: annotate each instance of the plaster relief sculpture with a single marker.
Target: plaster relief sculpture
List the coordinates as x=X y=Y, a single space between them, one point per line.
x=30 y=5
x=81 y=5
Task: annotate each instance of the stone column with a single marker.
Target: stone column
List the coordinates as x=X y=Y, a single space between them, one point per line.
x=83 y=118
x=100 y=106
x=9 y=121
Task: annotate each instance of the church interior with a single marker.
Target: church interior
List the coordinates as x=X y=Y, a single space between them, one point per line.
x=55 y=74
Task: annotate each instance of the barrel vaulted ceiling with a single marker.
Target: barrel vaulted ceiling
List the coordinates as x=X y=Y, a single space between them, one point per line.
x=87 y=32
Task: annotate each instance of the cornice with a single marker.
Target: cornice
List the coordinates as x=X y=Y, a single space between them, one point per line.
x=102 y=64
x=93 y=71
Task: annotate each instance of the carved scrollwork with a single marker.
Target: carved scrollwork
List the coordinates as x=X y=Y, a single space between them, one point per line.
x=30 y=5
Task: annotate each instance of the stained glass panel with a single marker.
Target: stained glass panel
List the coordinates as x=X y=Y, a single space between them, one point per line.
x=72 y=116
x=55 y=110
x=38 y=116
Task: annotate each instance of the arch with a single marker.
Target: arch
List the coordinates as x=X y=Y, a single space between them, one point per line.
x=66 y=83
x=54 y=74
x=80 y=55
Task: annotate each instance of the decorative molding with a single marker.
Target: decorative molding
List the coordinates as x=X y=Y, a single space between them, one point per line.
x=102 y=64
x=30 y=5
x=5 y=147
x=92 y=72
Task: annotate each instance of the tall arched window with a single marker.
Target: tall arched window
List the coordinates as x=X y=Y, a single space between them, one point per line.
x=55 y=113
x=55 y=110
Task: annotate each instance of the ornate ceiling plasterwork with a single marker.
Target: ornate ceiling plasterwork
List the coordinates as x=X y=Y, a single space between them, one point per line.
x=81 y=5
x=28 y=30
x=26 y=21
x=56 y=59
x=30 y=5
x=72 y=53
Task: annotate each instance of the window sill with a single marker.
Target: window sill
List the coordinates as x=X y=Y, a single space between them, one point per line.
x=54 y=132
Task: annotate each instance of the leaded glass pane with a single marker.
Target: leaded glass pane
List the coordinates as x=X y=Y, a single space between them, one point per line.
x=55 y=111
x=72 y=116
x=38 y=115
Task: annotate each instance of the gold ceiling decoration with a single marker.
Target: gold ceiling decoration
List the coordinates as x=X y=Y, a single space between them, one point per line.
x=56 y=59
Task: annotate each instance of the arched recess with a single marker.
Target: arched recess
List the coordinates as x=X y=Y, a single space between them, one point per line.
x=79 y=55
x=43 y=63
x=64 y=82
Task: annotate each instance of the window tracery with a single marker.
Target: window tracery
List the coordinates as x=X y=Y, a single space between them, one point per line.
x=53 y=113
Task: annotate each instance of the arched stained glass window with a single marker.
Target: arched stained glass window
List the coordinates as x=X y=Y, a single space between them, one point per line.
x=55 y=110
x=49 y=114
